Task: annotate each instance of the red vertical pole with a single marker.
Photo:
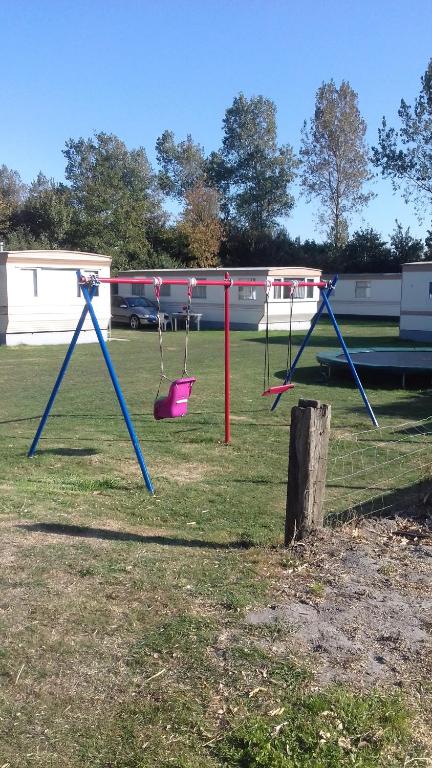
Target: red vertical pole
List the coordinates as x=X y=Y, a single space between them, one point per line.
x=227 y=361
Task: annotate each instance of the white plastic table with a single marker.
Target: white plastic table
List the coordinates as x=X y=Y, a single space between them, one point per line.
x=176 y=316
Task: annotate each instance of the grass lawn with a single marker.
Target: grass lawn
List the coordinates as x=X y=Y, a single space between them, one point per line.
x=122 y=615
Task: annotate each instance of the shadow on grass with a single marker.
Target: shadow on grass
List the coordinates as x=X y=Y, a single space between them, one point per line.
x=416 y=407
x=318 y=341
x=405 y=502
x=86 y=532
x=69 y=451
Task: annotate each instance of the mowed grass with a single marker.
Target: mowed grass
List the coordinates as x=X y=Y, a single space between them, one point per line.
x=125 y=642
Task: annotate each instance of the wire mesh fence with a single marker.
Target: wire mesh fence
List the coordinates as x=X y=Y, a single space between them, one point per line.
x=378 y=470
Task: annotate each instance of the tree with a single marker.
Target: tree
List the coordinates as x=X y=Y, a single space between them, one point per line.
x=45 y=215
x=201 y=225
x=366 y=251
x=182 y=164
x=12 y=193
x=428 y=246
x=115 y=199
x=251 y=172
x=405 y=247
x=334 y=159
x=405 y=156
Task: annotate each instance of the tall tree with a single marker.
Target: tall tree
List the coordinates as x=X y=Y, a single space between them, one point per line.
x=12 y=194
x=115 y=199
x=334 y=159
x=404 y=246
x=182 y=164
x=366 y=251
x=45 y=215
x=253 y=173
x=428 y=246
x=201 y=226
x=405 y=156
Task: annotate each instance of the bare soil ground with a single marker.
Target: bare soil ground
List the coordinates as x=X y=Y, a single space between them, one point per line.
x=358 y=602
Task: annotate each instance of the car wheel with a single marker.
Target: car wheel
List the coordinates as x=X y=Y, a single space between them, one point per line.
x=134 y=322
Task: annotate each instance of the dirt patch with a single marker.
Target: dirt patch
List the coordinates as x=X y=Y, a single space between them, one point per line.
x=183 y=473
x=240 y=418
x=358 y=601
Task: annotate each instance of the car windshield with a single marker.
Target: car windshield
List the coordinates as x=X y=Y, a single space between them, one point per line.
x=140 y=302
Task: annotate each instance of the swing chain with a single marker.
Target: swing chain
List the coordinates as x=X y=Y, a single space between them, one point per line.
x=268 y=286
x=157 y=281
x=292 y=292
x=293 y=289
x=191 y=286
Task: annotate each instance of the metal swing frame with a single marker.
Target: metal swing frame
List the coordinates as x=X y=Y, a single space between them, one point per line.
x=88 y=289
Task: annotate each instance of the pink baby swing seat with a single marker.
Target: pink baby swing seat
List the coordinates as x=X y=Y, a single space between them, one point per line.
x=175 y=404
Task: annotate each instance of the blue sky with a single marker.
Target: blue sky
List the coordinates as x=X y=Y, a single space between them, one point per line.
x=135 y=68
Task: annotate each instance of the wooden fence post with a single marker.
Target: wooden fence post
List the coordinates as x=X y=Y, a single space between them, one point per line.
x=307 y=467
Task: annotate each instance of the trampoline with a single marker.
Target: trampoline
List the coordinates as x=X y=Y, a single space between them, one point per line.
x=397 y=360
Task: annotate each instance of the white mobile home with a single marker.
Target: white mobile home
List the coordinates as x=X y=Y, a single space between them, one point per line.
x=416 y=303
x=247 y=303
x=40 y=300
x=368 y=294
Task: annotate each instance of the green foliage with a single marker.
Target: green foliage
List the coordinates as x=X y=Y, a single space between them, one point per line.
x=404 y=246
x=22 y=239
x=325 y=730
x=115 y=199
x=428 y=246
x=201 y=226
x=251 y=172
x=45 y=215
x=366 y=251
x=405 y=156
x=335 y=159
x=182 y=164
x=12 y=192
x=243 y=249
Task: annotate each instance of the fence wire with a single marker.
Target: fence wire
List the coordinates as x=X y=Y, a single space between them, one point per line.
x=377 y=470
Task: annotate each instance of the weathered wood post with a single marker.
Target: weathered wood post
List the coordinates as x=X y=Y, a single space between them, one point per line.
x=307 y=467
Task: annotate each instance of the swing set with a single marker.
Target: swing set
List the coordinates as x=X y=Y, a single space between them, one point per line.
x=175 y=403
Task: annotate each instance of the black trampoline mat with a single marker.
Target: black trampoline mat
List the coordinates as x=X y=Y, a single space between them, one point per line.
x=395 y=359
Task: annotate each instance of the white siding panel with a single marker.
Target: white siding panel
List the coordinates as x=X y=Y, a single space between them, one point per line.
x=42 y=304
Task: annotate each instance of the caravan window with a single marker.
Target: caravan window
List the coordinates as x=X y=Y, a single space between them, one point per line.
x=28 y=282
x=199 y=292
x=284 y=291
x=362 y=289
x=247 y=292
x=138 y=289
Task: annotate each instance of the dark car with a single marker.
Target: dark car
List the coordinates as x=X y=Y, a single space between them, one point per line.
x=134 y=310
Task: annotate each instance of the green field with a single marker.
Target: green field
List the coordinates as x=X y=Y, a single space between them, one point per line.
x=115 y=601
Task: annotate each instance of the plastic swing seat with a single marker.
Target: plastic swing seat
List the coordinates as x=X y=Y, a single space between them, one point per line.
x=175 y=404
x=277 y=390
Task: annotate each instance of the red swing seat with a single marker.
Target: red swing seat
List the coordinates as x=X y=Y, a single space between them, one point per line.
x=175 y=404
x=277 y=390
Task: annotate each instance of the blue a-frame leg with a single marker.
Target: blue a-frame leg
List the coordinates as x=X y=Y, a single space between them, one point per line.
x=88 y=308
x=325 y=304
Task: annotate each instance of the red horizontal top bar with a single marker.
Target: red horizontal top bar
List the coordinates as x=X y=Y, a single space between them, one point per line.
x=227 y=283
